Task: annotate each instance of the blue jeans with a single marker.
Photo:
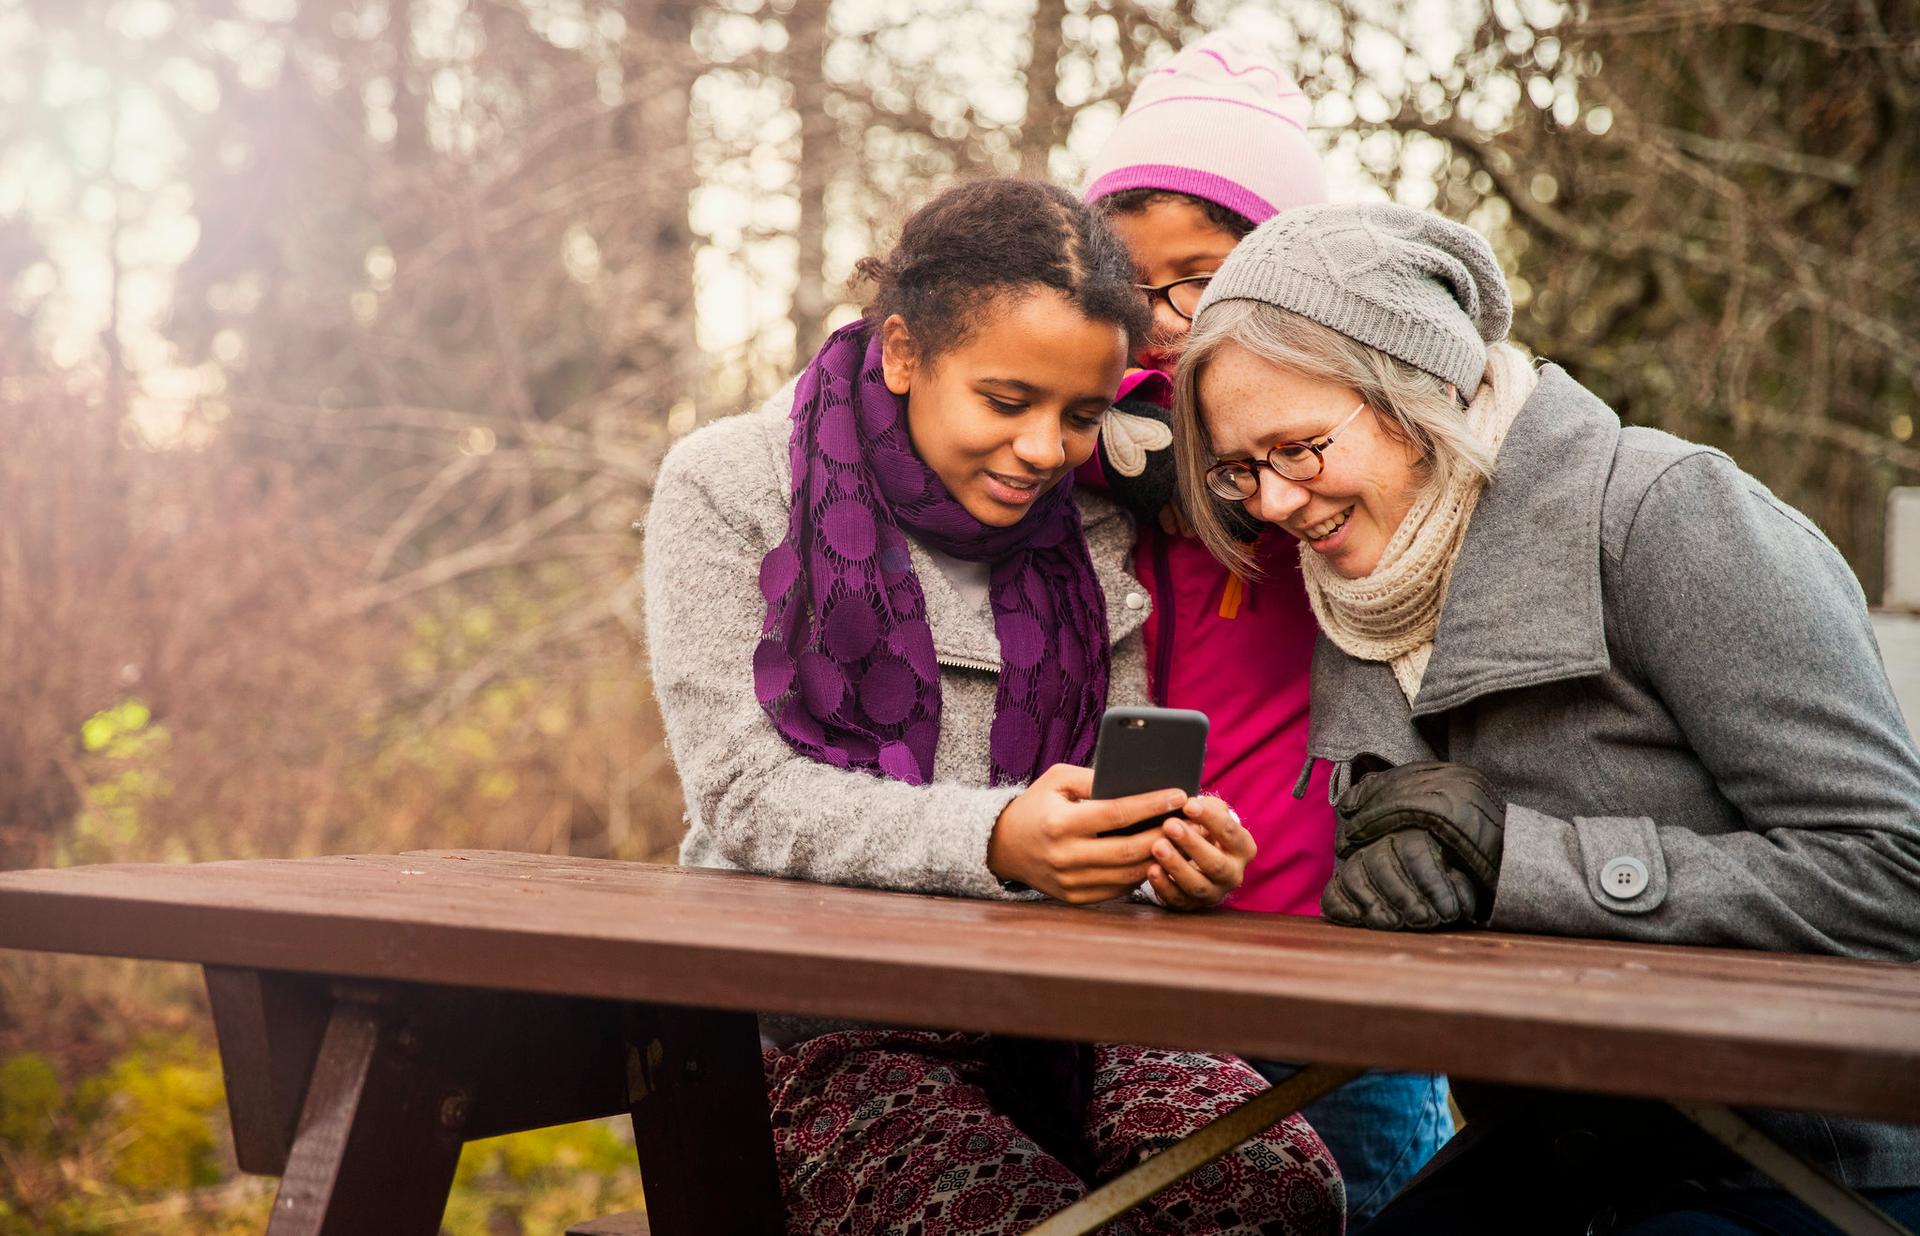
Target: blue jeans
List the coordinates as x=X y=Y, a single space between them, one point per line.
x=1754 y=1212
x=1537 y=1164
x=1381 y=1127
x=1479 y=1209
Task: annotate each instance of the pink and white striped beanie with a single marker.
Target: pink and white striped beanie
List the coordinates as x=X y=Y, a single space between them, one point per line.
x=1221 y=121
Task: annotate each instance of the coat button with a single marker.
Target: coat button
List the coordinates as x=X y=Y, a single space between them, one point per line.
x=1136 y=600
x=1624 y=878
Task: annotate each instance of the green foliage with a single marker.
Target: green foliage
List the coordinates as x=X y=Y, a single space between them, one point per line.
x=545 y=1179
x=118 y=731
x=148 y=1126
x=30 y=1095
x=141 y=1145
x=160 y=1105
x=129 y=752
x=524 y=1157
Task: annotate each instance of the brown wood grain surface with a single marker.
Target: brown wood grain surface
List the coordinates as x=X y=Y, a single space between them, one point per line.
x=269 y=1027
x=1731 y=1026
x=380 y=1130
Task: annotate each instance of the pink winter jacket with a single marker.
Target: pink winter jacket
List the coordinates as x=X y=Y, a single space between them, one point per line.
x=1239 y=651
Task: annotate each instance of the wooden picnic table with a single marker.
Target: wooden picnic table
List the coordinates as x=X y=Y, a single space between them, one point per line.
x=375 y=1011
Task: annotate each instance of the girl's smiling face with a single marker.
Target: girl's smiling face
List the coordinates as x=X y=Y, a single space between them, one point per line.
x=1002 y=416
x=1170 y=238
x=1369 y=479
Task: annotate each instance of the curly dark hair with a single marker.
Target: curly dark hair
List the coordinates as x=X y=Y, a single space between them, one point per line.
x=985 y=239
x=1132 y=201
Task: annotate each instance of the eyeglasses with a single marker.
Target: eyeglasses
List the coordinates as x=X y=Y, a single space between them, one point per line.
x=1182 y=294
x=1236 y=480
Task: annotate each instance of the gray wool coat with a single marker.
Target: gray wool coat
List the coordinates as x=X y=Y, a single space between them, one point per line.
x=1670 y=676
x=753 y=802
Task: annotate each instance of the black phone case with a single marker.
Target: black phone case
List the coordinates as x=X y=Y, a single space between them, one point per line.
x=1143 y=749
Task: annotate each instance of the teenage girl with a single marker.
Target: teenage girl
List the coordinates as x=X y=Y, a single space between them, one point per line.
x=883 y=628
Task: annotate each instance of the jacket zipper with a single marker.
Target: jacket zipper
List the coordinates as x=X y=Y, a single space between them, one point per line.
x=1163 y=635
x=969 y=663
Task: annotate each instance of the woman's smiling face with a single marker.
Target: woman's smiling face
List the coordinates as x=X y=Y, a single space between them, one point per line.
x=1005 y=414
x=1370 y=479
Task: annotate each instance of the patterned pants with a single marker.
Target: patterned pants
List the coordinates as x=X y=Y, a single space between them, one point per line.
x=891 y=1133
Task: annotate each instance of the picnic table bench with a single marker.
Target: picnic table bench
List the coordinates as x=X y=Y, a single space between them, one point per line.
x=376 y=1011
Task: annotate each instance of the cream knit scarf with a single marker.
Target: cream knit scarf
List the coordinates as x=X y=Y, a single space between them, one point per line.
x=1392 y=614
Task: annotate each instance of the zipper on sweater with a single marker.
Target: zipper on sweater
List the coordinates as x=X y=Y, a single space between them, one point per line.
x=967 y=663
x=1163 y=610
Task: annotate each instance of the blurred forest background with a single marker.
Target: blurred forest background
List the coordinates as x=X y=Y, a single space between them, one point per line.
x=339 y=340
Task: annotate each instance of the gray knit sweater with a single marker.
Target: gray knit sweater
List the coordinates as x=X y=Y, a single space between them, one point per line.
x=753 y=802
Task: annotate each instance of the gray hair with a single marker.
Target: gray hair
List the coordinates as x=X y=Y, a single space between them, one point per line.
x=1412 y=405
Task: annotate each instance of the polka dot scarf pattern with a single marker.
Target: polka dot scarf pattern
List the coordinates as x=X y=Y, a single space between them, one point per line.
x=845 y=666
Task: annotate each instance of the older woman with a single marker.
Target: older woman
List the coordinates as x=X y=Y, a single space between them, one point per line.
x=1575 y=677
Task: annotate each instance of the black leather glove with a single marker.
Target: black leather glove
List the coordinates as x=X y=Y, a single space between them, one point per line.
x=1457 y=827
x=1402 y=882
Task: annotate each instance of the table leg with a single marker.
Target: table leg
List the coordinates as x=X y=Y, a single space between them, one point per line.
x=1193 y=1152
x=698 y=1098
x=380 y=1132
x=269 y=1026
x=1853 y=1214
x=387 y=1080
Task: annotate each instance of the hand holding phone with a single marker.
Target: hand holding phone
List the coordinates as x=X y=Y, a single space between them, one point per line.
x=1144 y=749
x=1202 y=854
x=1201 y=857
x=1051 y=837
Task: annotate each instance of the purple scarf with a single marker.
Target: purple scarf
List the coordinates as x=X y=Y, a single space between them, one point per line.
x=845 y=665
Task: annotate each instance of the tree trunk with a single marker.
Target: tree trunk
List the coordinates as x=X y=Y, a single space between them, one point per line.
x=806 y=74
x=654 y=266
x=1047 y=120
x=409 y=92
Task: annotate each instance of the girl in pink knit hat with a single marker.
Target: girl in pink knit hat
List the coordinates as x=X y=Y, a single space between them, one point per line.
x=1213 y=143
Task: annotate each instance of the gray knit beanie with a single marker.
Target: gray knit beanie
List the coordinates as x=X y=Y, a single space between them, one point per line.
x=1411 y=283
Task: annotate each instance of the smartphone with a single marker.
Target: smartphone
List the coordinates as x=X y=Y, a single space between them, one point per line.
x=1144 y=749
